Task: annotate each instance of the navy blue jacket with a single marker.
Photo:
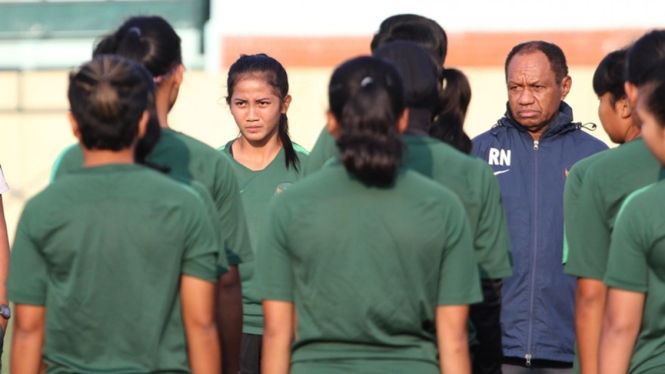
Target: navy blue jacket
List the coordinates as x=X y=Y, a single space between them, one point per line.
x=537 y=315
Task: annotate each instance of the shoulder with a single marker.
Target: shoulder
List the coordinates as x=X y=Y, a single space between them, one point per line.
x=300 y=150
x=581 y=167
x=641 y=204
x=613 y=162
x=589 y=141
x=226 y=148
x=195 y=146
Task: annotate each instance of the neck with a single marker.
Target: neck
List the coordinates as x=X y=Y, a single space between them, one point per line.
x=419 y=121
x=99 y=157
x=631 y=134
x=256 y=155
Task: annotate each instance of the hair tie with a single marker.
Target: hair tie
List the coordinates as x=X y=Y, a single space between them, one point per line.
x=136 y=30
x=366 y=81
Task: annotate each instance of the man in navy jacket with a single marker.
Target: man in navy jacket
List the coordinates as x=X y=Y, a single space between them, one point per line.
x=531 y=150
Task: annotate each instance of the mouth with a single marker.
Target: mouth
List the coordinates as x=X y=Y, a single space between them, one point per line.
x=528 y=113
x=253 y=129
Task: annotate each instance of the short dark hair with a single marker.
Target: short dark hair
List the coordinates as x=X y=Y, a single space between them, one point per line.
x=653 y=91
x=645 y=53
x=414 y=28
x=554 y=55
x=108 y=96
x=609 y=75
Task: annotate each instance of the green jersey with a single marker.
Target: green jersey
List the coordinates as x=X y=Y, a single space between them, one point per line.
x=571 y=192
x=366 y=267
x=257 y=187
x=103 y=250
x=637 y=263
x=470 y=178
x=192 y=160
x=608 y=181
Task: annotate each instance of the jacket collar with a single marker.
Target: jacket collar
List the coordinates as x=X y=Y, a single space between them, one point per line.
x=562 y=122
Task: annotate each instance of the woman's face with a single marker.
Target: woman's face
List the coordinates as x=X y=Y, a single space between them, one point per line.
x=652 y=131
x=256 y=109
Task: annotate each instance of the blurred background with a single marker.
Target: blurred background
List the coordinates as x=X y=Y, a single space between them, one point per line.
x=42 y=40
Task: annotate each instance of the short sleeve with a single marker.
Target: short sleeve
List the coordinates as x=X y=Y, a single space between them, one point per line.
x=3 y=183
x=627 y=266
x=459 y=280
x=492 y=240
x=201 y=244
x=209 y=204
x=323 y=150
x=274 y=272
x=231 y=214
x=587 y=232
x=571 y=193
x=27 y=279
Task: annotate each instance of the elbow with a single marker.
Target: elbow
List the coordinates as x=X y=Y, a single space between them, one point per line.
x=230 y=281
x=615 y=326
x=590 y=293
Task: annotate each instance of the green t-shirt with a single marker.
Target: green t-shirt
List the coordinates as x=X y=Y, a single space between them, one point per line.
x=470 y=178
x=637 y=263
x=366 y=267
x=473 y=181
x=608 y=181
x=571 y=193
x=192 y=160
x=257 y=188
x=103 y=250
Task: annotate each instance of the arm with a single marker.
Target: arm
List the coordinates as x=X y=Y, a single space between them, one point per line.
x=277 y=336
x=28 y=339
x=4 y=262
x=589 y=306
x=197 y=297
x=621 y=326
x=452 y=338
x=229 y=318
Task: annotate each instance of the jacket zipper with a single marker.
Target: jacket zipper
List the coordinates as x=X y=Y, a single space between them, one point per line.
x=527 y=357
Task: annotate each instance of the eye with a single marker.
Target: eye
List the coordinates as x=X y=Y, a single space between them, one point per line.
x=240 y=104
x=264 y=103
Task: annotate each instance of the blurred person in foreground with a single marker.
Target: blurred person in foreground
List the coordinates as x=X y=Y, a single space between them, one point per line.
x=114 y=265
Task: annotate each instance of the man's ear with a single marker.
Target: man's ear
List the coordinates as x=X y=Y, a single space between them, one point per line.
x=403 y=121
x=74 y=125
x=333 y=125
x=566 y=84
x=143 y=125
x=631 y=92
x=622 y=108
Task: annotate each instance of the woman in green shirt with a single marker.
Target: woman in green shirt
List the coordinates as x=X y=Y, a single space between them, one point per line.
x=113 y=269
x=266 y=162
x=367 y=259
x=633 y=333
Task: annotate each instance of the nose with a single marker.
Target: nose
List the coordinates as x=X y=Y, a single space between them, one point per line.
x=252 y=114
x=526 y=97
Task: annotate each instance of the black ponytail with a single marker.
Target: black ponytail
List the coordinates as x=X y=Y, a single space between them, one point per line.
x=108 y=97
x=448 y=125
x=274 y=74
x=366 y=97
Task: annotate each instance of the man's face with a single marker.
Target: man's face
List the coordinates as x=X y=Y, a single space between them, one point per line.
x=533 y=94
